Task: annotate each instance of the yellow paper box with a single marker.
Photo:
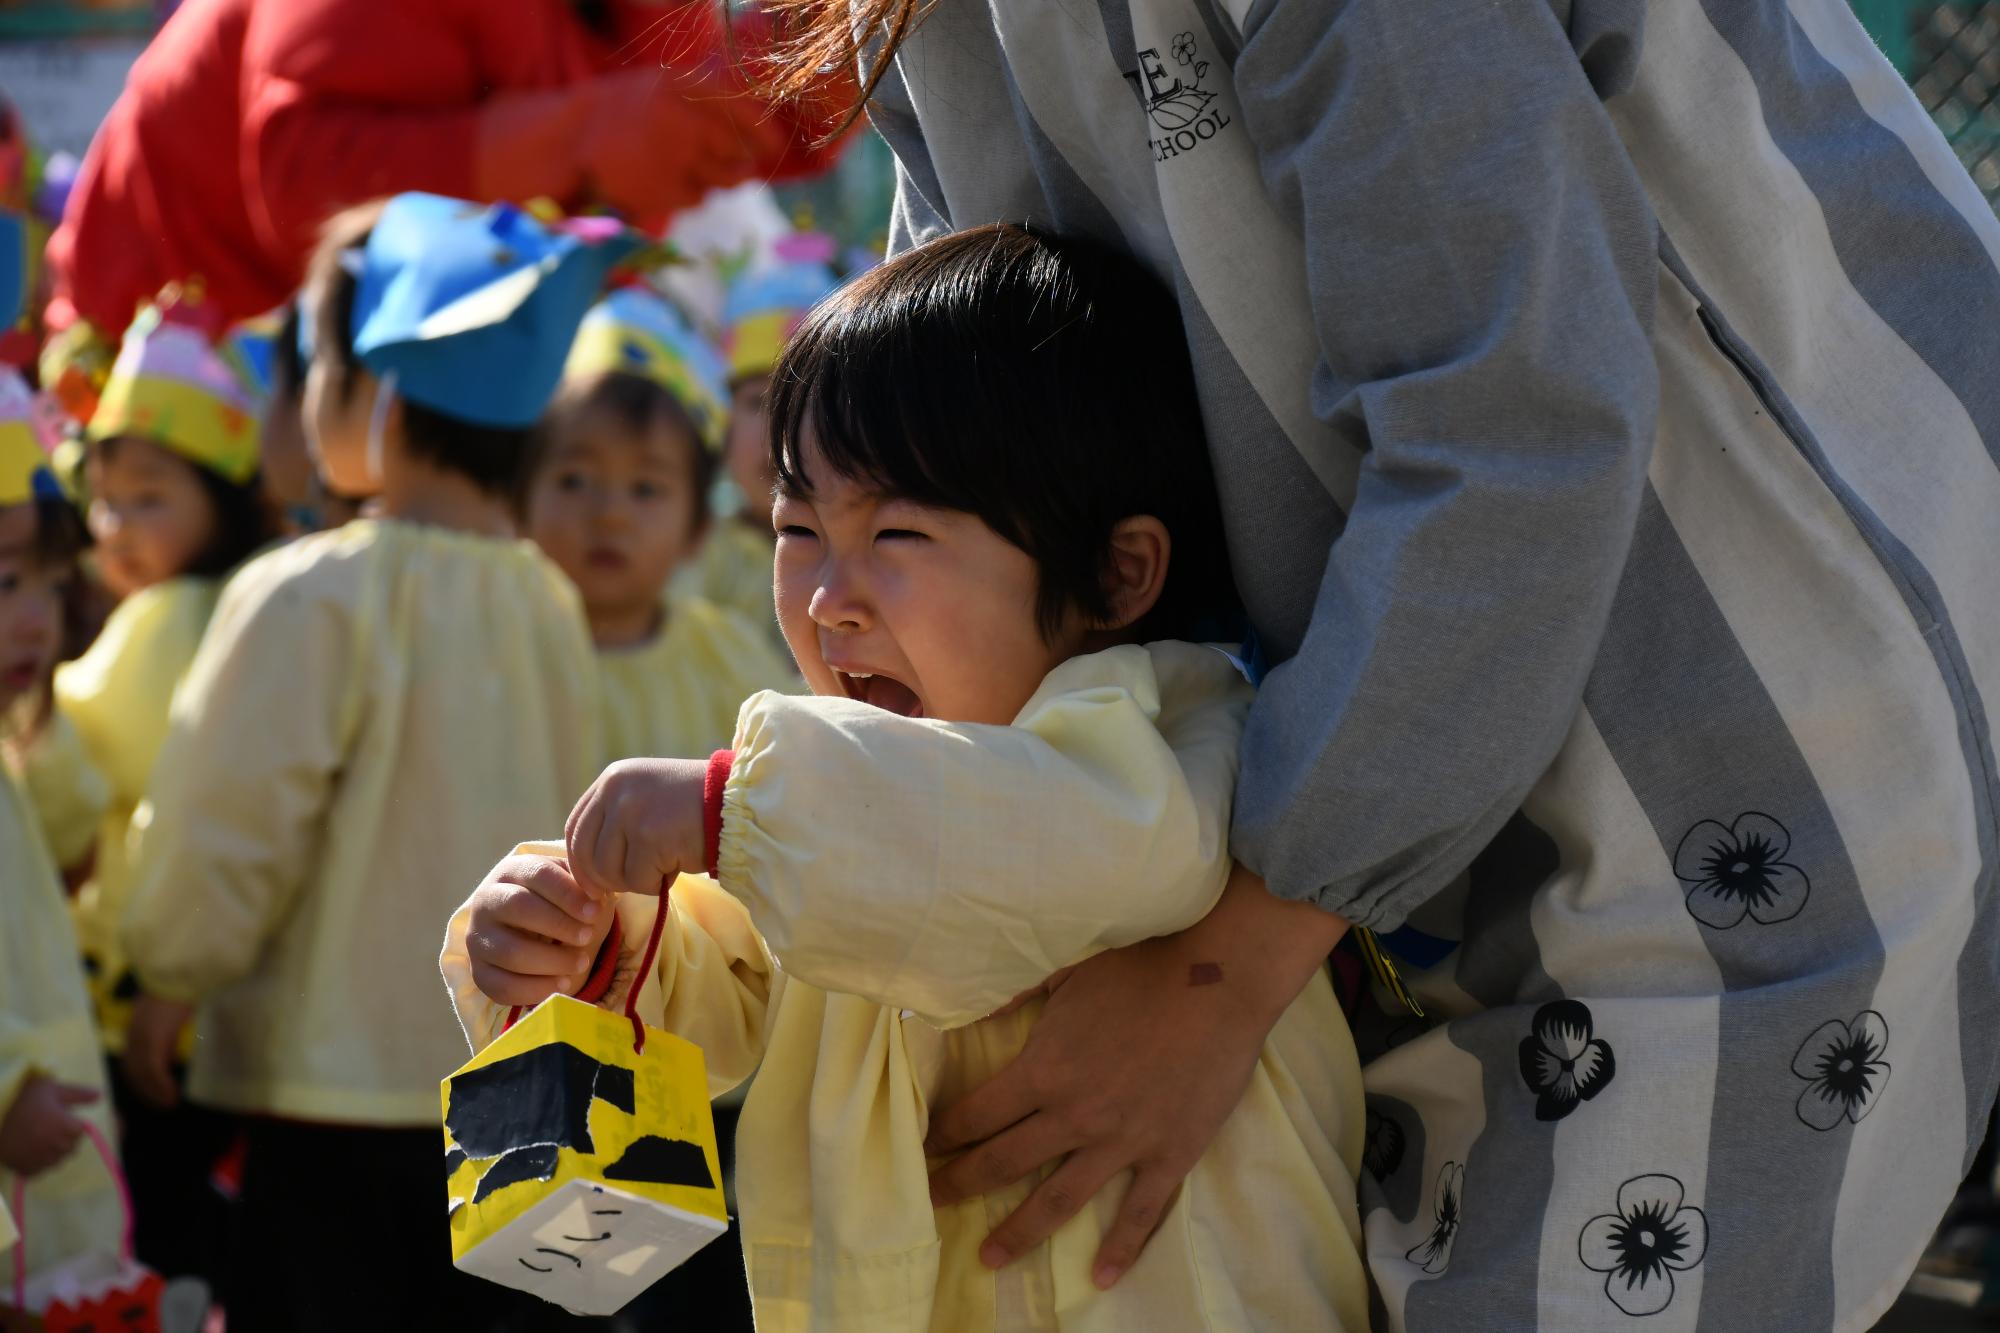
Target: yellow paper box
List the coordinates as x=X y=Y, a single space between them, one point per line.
x=579 y=1169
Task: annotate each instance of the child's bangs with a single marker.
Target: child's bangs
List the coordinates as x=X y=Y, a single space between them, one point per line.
x=834 y=377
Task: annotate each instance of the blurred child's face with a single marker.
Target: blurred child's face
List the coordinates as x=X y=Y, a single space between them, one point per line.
x=616 y=510
x=747 y=454
x=337 y=429
x=925 y=612
x=30 y=606
x=150 y=515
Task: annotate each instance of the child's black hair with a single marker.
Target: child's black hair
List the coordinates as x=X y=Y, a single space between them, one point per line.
x=244 y=521
x=288 y=366
x=1042 y=384
x=60 y=534
x=635 y=405
x=494 y=458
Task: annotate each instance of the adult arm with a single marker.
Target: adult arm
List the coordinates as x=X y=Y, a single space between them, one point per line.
x=1480 y=260
x=349 y=100
x=1481 y=263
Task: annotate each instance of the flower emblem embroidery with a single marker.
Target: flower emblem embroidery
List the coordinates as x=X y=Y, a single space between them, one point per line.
x=1183 y=48
x=1739 y=870
x=1562 y=1061
x=1639 y=1248
x=1843 y=1069
x=1433 y=1255
x=1382 y=1146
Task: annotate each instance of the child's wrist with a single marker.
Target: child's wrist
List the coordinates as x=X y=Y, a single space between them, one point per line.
x=715 y=782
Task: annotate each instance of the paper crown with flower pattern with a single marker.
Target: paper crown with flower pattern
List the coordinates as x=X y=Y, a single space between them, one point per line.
x=173 y=386
x=637 y=332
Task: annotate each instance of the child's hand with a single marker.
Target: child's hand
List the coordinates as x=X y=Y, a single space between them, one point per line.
x=533 y=931
x=39 y=1129
x=152 y=1040
x=638 y=826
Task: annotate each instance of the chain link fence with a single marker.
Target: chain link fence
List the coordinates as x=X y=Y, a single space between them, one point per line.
x=1949 y=50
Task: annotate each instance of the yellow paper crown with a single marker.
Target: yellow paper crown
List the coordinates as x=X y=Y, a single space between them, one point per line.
x=171 y=386
x=637 y=333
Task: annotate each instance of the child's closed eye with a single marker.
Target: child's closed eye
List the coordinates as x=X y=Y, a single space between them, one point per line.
x=901 y=534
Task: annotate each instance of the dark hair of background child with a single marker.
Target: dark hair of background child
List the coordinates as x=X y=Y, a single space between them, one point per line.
x=1042 y=384
x=493 y=458
x=632 y=405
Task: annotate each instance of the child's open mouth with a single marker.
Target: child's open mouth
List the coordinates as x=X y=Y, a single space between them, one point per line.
x=879 y=691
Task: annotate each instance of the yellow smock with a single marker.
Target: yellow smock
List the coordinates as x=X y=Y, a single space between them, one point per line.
x=374 y=711
x=71 y=1209
x=733 y=571
x=117 y=695
x=678 y=694
x=970 y=882
x=69 y=794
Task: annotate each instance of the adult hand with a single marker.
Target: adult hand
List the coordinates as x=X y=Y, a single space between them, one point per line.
x=151 y=1041
x=1139 y=1056
x=533 y=931
x=638 y=826
x=40 y=1129
x=659 y=139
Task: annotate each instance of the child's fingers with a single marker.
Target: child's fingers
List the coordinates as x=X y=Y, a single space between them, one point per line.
x=148 y=1067
x=513 y=934
x=529 y=915
x=586 y=829
x=608 y=856
x=503 y=987
x=552 y=883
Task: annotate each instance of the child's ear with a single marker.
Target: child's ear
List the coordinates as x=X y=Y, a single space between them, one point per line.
x=1137 y=569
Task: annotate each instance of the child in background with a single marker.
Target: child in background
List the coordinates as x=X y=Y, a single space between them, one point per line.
x=373 y=710
x=291 y=486
x=762 y=308
x=170 y=466
x=171 y=471
x=51 y=1069
x=993 y=491
x=619 y=500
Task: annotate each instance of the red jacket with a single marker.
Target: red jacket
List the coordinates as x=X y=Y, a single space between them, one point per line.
x=247 y=123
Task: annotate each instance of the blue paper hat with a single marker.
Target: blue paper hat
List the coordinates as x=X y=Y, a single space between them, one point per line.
x=473 y=308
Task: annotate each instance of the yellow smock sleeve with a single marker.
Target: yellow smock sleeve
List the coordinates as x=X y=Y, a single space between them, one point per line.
x=259 y=731
x=711 y=982
x=68 y=792
x=119 y=692
x=947 y=867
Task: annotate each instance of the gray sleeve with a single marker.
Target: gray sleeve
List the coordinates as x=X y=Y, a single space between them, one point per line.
x=1481 y=264
x=917 y=214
